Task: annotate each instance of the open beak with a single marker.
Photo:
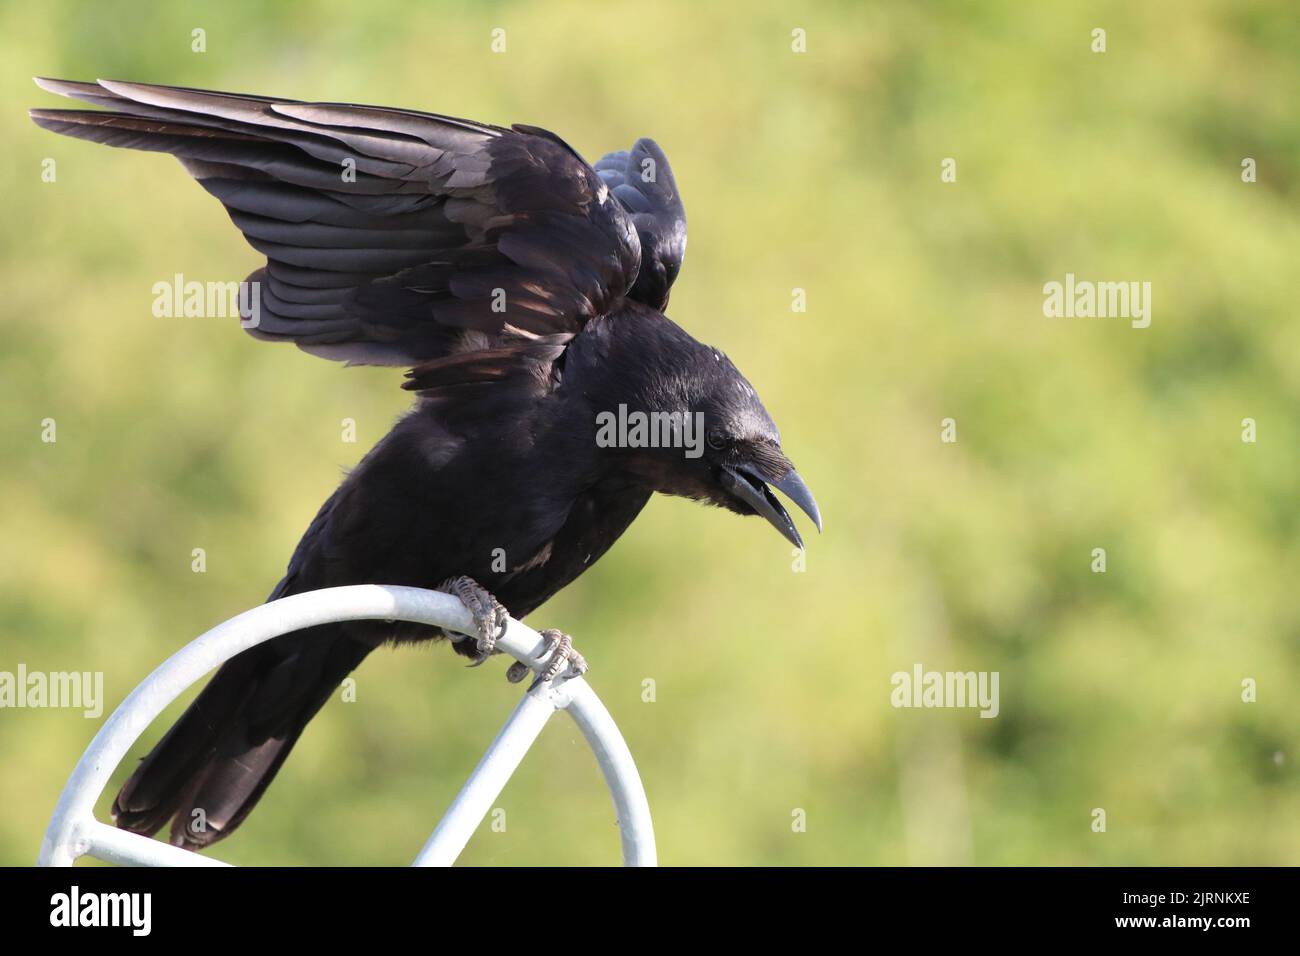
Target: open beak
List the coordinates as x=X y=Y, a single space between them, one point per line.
x=746 y=484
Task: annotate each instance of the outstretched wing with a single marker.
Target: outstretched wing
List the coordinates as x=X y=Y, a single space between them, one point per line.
x=642 y=181
x=392 y=237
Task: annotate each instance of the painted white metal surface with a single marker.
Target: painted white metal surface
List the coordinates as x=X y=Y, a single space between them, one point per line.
x=74 y=831
x=480 y=792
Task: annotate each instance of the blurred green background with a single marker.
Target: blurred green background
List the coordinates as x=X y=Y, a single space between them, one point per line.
x=818 y=171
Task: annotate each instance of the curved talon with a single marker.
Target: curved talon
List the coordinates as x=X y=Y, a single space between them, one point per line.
x=517 y=672
x=562 y=656
x=490 y=615
x=491 y=620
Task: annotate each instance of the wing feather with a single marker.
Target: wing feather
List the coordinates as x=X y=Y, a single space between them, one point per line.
x=642 y=181
x=388 y=233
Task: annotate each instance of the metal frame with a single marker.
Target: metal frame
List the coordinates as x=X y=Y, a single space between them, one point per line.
x=74 y=831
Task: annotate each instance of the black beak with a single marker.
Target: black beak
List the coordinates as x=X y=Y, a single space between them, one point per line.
x=746 y=484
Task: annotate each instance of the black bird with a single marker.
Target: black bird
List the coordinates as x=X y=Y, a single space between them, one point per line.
x=524 y=291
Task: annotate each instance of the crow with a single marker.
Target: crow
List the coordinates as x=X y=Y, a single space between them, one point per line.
x=524 y=291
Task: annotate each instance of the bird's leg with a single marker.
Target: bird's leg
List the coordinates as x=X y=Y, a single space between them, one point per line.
x=490 y=619
x=489 y=614
x=563 y=657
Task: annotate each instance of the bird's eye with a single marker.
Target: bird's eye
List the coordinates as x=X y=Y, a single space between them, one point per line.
x=716 y=439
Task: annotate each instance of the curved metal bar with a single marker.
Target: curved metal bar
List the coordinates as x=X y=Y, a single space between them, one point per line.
x=487 y=781
x=631 y=808
x=74 y=831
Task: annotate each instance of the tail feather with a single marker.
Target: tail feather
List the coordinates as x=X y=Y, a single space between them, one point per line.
x=210 y=769
x=228 y=789
x=153 y=794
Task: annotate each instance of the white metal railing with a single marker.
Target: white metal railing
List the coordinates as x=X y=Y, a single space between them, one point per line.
x=74 y=831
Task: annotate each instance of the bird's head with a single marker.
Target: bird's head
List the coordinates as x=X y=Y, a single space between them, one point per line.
x=688 y=423
x=742 y=460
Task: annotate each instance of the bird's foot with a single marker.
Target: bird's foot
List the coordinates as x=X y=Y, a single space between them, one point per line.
x=562 y=656
x=490 y=615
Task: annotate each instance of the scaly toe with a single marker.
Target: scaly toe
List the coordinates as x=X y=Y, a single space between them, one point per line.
x=490 y=616
x=562 y=656
x=560 y=645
